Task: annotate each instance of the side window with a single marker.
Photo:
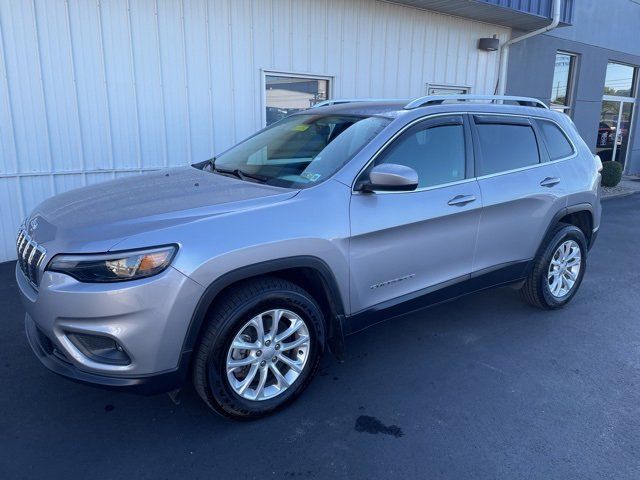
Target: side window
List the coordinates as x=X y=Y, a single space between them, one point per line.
x=507 y=147
x=556 y=141
x=436 y=153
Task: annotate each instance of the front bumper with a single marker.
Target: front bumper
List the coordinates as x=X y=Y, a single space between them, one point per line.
x=55 y=361
x=148 y=318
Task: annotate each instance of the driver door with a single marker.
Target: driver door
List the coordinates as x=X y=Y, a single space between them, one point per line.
x=404 y=244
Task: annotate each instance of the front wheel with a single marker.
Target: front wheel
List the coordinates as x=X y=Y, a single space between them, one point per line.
x=262 y=345
x=558 y=270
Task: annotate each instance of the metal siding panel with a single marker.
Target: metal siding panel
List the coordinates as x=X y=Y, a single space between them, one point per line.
x=242 y=64
x=198 y=79
x=93 y=106
x=148 y=84
x=114 y=26
x=58 y=85
x=174 y=87
x=221 y=74
x=25 y=84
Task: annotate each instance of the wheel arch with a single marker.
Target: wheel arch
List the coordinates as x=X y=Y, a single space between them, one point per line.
x=579 y=215
x=310 y=273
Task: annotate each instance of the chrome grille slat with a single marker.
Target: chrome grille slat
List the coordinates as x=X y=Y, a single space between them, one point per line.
x=30 y=256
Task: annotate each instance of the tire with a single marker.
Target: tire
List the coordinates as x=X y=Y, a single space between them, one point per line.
x=234 y=319
x=537 y=290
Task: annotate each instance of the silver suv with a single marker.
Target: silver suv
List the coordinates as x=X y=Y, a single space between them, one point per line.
x=240 y=271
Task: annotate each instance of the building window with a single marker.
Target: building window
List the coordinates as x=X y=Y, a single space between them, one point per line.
x=620 y=80
x=434 y=89
x=288 y=93
x=562 y=88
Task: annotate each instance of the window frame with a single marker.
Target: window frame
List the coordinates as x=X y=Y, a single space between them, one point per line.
x=264 y=73
x=567 y=108
x=634 y=83
x=444 y=86
x=506 y=119
x=430 y=121
x=574 y=151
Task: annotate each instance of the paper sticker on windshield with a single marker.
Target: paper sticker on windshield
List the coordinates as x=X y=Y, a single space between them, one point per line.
x=301 y=128
x=312 y=177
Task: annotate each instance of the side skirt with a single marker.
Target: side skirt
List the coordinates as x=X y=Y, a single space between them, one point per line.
x=444 y=292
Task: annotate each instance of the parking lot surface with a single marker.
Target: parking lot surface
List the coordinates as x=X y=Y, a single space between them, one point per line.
x=484 y=387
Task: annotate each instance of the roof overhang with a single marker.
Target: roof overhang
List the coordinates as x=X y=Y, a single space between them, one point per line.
x=510 y=13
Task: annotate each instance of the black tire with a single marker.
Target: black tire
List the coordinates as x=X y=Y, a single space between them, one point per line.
x=224 y=321
x=536 y=290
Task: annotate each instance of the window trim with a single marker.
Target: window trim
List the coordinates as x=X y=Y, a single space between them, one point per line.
x=544 y=157
x=469 y=174
x=567 y=109
x=474 y=149
x=447 y=86
x=264 y=73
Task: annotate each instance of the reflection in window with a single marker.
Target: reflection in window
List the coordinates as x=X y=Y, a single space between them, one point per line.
x=433 y=89
x=562 y=82
x=437 y=154
x=287 y=95
x=620 y=79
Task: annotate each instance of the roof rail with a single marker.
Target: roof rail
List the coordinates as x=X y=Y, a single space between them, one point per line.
x=337 y=101
x=440 y=99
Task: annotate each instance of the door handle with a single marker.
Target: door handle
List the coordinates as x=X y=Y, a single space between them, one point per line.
x=461 y=200
x=550 y=182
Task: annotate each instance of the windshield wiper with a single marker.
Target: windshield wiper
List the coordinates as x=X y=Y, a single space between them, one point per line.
x=237 y=173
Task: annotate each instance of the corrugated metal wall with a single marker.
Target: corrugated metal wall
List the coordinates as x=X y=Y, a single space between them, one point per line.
x=92 y=90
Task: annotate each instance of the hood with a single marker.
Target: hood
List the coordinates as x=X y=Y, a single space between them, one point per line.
x=96 y=217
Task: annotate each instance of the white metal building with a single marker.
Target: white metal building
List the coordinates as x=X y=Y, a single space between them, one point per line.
x=96 y=89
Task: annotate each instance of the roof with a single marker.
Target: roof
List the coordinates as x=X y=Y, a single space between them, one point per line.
x=395 y=109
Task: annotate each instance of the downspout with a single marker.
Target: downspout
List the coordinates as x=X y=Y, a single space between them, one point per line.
x=504 y=50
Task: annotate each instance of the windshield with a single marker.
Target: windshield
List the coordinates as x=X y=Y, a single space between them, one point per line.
x=301 y=150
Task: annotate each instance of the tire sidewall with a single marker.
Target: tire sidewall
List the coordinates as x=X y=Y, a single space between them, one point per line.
x=568 y=232
x=217 y=382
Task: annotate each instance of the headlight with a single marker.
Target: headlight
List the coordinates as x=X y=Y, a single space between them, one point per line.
x=116 y=266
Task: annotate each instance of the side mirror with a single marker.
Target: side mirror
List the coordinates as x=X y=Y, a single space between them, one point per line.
x=390 y=177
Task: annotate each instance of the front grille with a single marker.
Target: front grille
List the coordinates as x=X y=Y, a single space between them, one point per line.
x=30 y=256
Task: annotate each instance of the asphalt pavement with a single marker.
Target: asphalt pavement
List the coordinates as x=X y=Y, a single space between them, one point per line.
x=485 y=387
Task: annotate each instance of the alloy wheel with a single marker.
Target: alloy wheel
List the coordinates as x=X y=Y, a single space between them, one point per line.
x=268 y=354
x=564 y=268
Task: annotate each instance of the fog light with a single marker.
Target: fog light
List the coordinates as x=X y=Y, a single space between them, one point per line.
x=100 y=348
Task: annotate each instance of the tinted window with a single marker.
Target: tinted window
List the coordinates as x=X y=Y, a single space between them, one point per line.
x=436 y=153
x=557 y=143
x=507 y=147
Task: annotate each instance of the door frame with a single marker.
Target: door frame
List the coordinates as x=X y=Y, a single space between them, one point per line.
x=621 y=101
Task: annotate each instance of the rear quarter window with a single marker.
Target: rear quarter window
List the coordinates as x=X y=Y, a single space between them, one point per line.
x=557 y=143
x=506 y=147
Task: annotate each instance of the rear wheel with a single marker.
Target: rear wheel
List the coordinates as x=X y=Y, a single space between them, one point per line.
x=262 y=345
x=558 y=270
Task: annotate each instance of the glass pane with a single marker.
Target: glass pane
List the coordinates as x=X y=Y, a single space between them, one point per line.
x=607 y=129
x=444 y=90
x=619 y=80
x=287 y=95
x=507 y=147
x=301 y=150
x=437 y=154
x=557 y=143
x=622 y=135
x=561 y=78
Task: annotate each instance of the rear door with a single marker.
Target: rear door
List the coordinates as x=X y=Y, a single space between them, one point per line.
x=521 y=190
x=406 y=242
